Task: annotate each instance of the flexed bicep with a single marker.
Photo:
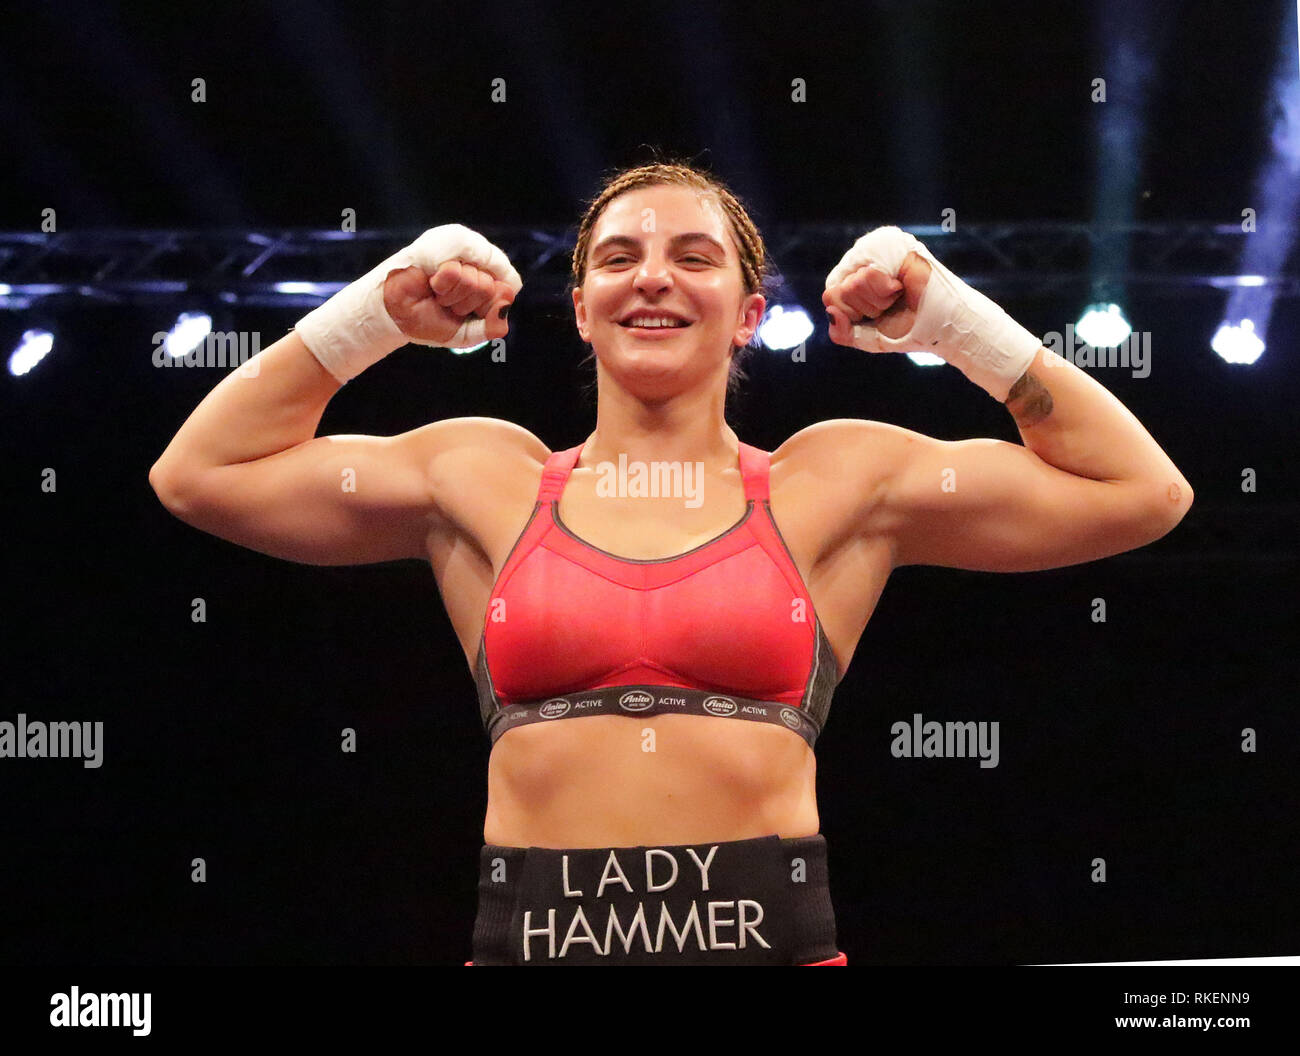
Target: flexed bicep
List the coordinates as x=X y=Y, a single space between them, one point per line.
x=992 y=506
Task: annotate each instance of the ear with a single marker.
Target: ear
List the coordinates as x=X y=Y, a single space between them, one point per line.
x=751 y=314
x=580 y=314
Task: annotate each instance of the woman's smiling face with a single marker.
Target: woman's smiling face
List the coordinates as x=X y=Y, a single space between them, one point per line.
x=664 y=254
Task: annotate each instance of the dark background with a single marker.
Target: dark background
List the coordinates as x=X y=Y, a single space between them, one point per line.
x=1118 y=740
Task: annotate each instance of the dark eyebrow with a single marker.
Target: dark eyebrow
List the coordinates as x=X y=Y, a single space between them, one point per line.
x=676 y=240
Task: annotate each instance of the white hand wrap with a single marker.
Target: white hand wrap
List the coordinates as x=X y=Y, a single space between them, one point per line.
x=953 y=320
x=353 y=330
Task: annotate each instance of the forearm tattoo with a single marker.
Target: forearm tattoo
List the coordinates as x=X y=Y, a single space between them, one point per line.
x=1029 y=401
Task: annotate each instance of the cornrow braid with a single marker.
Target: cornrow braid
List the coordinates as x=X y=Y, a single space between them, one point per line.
x=754 y=267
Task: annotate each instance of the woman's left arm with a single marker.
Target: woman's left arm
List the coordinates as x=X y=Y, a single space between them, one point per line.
x=1088 y=483
x=992 y=506
x=1075 y=424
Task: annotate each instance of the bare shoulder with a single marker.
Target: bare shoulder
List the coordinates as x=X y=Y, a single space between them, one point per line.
x=841 y=450
x=827 y=480
x=482 y=473
x=488 y=438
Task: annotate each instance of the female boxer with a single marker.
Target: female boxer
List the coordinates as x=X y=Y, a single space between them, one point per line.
x=656 y=618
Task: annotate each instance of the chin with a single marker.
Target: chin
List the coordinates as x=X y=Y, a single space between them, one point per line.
x=649 y=374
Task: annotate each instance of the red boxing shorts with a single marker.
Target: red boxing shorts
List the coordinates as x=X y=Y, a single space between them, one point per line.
x=742 y=902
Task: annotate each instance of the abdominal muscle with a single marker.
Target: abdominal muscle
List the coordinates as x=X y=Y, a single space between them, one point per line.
x=644 y=781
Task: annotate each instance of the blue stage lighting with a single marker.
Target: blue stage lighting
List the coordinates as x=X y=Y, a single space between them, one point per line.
x=32 y=347
x=188 y=333
x=1103 y=326
x=785 y=327
x=1238 y=343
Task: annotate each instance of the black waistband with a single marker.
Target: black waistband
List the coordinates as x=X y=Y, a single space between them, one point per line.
x=742 y=902
x=653 y=700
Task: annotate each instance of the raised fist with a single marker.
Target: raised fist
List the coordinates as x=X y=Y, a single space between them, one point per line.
x=432 y=308
x=871 y=293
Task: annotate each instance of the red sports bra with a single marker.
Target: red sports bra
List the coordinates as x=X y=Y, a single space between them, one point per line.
x=726 y=629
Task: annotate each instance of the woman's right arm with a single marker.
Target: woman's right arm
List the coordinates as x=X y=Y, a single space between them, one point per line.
x=248 y=467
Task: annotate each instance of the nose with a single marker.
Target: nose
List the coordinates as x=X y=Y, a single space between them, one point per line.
x=652 y=277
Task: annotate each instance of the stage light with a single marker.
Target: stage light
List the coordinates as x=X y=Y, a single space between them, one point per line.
x=1103 y=326
x=324 y=289
x=32 y=347
x=1277 y=190
x=785 y=327
x=1237 y=282
x=1237 y=343
x=188 y=333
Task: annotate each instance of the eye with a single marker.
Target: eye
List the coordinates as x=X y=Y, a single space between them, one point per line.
x=694 y=258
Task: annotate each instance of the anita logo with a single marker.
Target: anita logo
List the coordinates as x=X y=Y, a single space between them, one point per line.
x=791 y=718
x=553 y=708
x=721 y=706
x=637 y=700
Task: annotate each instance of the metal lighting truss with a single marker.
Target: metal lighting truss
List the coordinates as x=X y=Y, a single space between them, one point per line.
x=249 y=267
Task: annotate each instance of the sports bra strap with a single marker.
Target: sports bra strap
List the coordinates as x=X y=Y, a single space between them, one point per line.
x=754 y=464
x=557 y=470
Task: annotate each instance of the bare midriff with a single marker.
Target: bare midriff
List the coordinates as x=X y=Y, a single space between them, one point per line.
x=660 y=780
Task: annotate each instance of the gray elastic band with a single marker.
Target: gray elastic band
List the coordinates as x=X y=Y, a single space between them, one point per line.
x=653 y=700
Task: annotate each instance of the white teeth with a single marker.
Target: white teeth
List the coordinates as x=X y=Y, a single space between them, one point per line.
x=647 y=320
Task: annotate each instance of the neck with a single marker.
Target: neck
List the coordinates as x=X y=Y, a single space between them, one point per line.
x=686 y=427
